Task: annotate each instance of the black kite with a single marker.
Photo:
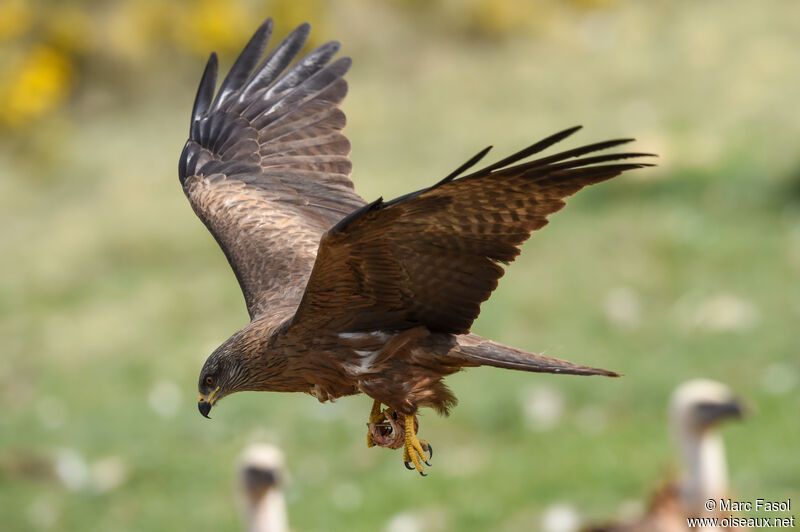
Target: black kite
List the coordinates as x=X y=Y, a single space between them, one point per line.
x=349 y=297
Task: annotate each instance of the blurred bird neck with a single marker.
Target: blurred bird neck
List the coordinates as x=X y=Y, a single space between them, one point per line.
x=705 y=467
x=268 y=513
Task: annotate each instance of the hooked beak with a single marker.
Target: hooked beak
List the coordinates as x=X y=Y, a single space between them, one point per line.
x=204 y=403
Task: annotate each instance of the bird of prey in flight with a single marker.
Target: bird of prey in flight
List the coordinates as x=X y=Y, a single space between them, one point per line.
x=345 y=296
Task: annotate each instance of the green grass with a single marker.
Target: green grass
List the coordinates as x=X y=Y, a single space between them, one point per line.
x=111 y=285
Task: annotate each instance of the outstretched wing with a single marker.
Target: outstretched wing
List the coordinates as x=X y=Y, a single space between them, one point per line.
x=266 y=166
x=432 y=257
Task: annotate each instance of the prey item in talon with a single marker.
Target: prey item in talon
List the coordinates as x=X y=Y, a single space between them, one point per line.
x=390 y=431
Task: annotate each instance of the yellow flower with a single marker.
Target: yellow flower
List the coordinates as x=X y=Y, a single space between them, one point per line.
x=38 y=83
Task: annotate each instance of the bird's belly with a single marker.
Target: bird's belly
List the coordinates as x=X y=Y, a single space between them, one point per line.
x=360 y=352
x=362 y=363
x=325 y=392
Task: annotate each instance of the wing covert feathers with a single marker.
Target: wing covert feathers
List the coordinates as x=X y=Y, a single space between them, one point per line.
x=433 y=256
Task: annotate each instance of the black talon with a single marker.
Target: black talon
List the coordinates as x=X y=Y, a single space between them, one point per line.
x=430 y=450
x=426 y=463
x=422 y=474
x=412 y=468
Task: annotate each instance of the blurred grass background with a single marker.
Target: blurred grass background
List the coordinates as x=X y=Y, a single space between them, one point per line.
x=113 y=293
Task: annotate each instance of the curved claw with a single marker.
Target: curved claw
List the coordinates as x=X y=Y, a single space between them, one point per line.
x=427 y=448
x=423 y=474
x=415 y=449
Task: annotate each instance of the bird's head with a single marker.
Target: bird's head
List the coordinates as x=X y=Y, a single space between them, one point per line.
x=700 y=404
x=210 y=386
x=222 y=374
x=243 y=362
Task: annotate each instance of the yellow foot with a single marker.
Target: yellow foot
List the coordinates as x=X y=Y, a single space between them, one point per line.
x=414 y=449
x=375 y=416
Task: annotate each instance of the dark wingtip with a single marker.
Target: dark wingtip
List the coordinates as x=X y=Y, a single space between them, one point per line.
x=262 y=33
x=260 y=37
x=298 y=36
x=205 y=91
x=344 y=63
x=334 y=46
x=304 y=29
x=561 y=135
x=279 y=58
x=464 y=167
x=530 y=150
x=245 y=63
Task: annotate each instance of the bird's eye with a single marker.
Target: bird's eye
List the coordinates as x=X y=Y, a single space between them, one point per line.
x=210 y=381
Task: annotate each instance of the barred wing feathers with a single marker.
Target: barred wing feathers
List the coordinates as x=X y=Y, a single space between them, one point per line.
x=266 y=166
x=432 y=257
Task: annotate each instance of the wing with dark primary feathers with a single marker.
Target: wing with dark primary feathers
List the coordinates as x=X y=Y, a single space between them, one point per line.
x=266 y=166
x=433 y=256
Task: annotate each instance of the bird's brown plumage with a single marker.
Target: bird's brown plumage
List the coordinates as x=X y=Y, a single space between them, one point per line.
x=344 y=296
x=266 y=166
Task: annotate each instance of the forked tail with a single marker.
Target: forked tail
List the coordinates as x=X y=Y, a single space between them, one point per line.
x=484 y=352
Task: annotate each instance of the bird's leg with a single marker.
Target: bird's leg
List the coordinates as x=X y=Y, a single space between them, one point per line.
x=375 y=416
x=414 y=449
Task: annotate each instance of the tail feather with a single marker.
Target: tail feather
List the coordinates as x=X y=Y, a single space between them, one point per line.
x=483 y=352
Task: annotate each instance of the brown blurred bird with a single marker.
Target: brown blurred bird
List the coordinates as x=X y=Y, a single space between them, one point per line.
x=697 y=409
x=347 y=297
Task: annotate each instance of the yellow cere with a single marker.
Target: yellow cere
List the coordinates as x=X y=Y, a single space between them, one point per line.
x=212 y=394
